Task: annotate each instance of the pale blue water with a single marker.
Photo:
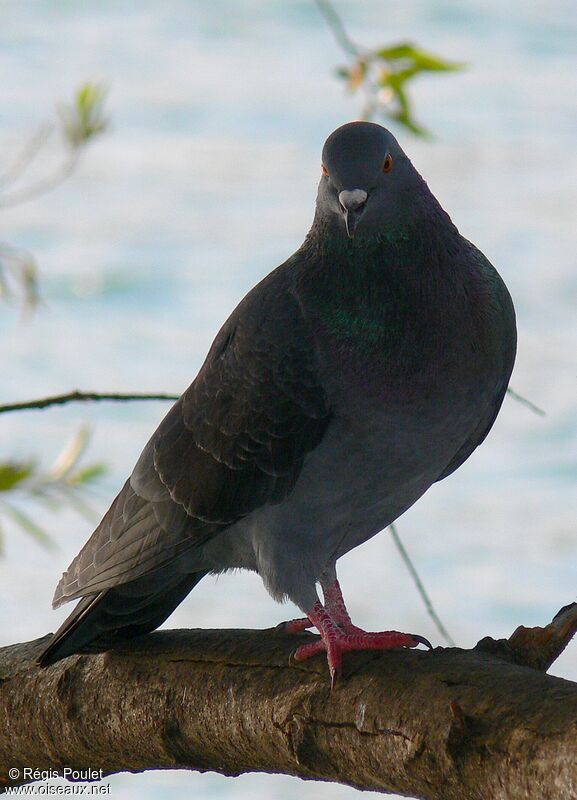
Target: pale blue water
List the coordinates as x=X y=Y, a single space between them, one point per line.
x=206 y=182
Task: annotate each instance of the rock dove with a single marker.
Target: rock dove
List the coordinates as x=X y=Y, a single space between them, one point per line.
x=365 y=368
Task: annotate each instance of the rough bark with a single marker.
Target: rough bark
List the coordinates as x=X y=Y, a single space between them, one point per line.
x=452 y=723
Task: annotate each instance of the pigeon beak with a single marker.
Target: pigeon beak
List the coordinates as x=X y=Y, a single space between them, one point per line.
x=352 y=204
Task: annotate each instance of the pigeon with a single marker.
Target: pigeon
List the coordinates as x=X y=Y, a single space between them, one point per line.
x=365 y=368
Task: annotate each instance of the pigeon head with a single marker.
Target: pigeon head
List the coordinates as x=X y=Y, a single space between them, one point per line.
x=368 y=185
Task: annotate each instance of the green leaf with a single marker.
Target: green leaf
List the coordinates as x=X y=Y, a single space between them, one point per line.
x=84 y=119
x=87 y=475
x=398 y=107
x=28 y=525
x=18 y=276
x=396 y=79
x=63 y=485
x=30 y=284
x=425 y=62
x=11 y=474
x=80 y=505
x=404 y=115
x=409 y=122
x=44 y=495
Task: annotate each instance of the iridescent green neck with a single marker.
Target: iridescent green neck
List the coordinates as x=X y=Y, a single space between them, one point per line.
x=374 y=294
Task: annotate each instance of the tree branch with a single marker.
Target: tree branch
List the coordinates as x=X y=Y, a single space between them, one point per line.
x=75 y=397
x=447 y=725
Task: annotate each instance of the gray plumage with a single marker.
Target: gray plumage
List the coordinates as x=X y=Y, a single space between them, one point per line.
x=365 y=368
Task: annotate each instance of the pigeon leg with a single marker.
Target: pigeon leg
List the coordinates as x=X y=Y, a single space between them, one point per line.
x=328 y=579
x=339 y=635
x=335 y=605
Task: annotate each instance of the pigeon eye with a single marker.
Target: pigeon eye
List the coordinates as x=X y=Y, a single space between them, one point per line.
x=324 y=171
x=388 y=163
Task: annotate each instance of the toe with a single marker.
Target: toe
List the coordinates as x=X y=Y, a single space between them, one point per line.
x=306 y=651
x=294 y=625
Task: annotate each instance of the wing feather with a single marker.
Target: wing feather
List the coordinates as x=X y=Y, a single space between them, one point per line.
x=236 y=440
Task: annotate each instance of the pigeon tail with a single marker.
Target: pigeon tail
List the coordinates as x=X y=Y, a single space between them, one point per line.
x=111 y=617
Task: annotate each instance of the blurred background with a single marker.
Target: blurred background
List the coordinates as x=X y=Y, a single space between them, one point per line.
x=203 y=181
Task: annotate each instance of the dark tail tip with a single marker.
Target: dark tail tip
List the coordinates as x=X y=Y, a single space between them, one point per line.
x=48 y=657
x=101 y=621
x=74 y=633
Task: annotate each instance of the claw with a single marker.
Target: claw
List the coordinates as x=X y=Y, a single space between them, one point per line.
x=421 y=640
x=336 y=675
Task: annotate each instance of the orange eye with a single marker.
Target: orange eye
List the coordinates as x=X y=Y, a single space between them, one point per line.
x=324 y=170
x=388 y=163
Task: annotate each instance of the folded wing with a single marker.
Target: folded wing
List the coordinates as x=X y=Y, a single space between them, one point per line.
x=236 y=440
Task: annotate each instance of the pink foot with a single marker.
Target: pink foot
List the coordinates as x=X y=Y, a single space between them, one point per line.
x=339 y=635
x=336 y=642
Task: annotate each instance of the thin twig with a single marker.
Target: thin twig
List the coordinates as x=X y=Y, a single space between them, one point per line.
x=356 y=53
x=44 y=185
x=27 y=154
x=336 y=25
x=74 y=397
x=420 y=588
x=525 y=402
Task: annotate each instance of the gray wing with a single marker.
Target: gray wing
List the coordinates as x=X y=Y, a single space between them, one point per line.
x=235 y=441
x=478 y=436
x=502 y=316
